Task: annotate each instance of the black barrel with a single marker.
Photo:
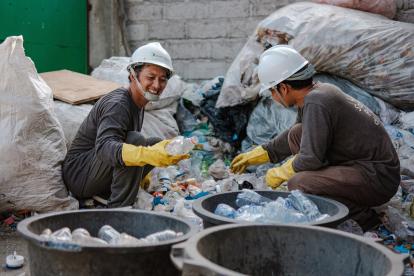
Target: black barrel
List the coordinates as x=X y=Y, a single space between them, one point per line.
x=279 y=250
x=204 y=208
x=48 y=258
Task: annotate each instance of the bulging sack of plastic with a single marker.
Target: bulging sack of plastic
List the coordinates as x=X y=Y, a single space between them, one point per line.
x=249 y=197
x=386 y=8
x=181 y=145
x=373 y=52
x=32 y=143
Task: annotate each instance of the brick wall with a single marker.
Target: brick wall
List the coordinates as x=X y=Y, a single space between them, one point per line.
x=202 y=36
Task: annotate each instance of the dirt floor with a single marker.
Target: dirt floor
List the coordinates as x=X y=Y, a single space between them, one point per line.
x=10 y=242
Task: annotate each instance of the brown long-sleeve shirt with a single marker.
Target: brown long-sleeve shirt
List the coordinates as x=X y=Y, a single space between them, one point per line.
x=337 y=130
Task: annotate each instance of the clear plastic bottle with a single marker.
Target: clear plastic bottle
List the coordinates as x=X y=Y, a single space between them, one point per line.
x=113 y=237
x=128 y=240
x=63 y=235
x=249 y=197
x=181 y=145
x=161 y=236
x=278 y=211
x=109 y=234
x=81 y=236
x=304 y=205
x=225 y=210
x=252 y=213
x=46 y=233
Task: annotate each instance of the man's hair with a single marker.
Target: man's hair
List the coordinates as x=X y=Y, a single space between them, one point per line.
x=138 y=68
x=299 y=84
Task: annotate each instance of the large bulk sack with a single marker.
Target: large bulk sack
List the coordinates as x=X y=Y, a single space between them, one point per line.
x=384 y=7
x=373 y=52
x=32 y=144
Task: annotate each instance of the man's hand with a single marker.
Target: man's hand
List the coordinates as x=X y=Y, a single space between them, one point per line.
x=276 y=176
x=253 y=157
x=155 y=155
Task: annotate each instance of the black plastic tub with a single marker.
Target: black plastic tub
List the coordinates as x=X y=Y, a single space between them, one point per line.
x=48 y=258
x=281 y=250
x=204 y=208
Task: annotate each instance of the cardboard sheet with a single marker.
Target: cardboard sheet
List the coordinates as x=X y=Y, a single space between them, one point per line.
x=76 y=88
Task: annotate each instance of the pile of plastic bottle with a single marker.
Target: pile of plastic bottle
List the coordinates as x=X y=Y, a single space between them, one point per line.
x=107 y=236
x=253 y=207
x=190 y=179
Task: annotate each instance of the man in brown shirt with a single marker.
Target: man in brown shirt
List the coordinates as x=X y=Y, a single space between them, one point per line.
x=340 y=148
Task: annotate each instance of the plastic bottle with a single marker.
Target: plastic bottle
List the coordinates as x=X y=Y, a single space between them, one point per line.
x=81 y=236
x=113 y=237
x=278 y=212
x=46 y=233
x=62 y=234
x=161 y=236
x=304 y=205
x=164 y=179
x=181 y=145
x=251 y=213
x=249 y=197
x=109 y=234
x=225 y=210
x=128 y=240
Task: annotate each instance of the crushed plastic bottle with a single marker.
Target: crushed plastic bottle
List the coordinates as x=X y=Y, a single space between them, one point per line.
x=249 y=197
x=81 y=236
x=181 y=145
x=304 y=205
x=279 y=211
x=62 y=235
x=250 y=213
x=225 y=210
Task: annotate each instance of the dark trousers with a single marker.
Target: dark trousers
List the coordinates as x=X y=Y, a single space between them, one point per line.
x=345 y=184
x=90 y=176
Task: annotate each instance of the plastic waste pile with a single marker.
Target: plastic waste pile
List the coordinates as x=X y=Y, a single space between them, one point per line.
x=253 y=207
x=107 y=236
x=173 y=189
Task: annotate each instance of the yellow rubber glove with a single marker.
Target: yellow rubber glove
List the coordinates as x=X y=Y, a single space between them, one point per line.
x=155 y=155
x=254 y=157
x=276 y=176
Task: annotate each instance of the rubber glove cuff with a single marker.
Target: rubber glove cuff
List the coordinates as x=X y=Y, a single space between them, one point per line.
x=276 y=176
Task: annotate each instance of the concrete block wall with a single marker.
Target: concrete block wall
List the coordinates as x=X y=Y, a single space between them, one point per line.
x=202 y=36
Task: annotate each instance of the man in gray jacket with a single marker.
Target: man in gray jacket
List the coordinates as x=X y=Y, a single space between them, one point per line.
x=109 y=156
x=340 y=148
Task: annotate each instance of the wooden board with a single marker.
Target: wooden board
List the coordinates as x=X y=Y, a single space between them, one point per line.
x=76 y=88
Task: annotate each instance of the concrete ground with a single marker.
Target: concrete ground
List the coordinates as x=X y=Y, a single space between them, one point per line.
x=10 y=242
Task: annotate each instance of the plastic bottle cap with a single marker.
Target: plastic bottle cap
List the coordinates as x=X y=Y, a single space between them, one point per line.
x=14 y=261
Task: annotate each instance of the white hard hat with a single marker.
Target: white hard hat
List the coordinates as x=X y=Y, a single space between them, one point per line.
x=277 y=64
x=152 y=53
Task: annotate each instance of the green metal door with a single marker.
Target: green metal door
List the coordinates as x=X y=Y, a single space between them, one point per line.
x=54 y=31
